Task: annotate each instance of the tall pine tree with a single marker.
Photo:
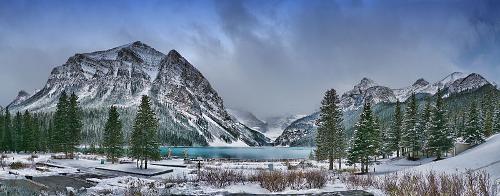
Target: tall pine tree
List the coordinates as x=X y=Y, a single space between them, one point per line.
x=2 y=132
x=473 y=133
x=59 y=131
x=411 y=136
x=28 y=140
x=423 y=126
x=496 y=125
x=74 y=120
x=365 y=140
x=17 y=124
x=331 y=142
x=113 y=135
x=394 y=135
x=144 y=141
x=8 y=140
x=440 y=138
x=487 y=113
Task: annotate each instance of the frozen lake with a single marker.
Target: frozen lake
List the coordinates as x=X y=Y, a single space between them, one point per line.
x=253 y=153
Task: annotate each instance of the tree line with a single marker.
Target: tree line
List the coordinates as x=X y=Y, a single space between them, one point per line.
x=61 y=132
x=414 y=131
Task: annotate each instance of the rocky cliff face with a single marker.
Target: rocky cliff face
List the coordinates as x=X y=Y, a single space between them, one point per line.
x=187 y=105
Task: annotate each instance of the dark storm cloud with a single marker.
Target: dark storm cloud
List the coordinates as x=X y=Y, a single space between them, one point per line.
x=269 y=57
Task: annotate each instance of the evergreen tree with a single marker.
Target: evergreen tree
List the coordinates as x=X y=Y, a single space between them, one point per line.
x=8 y=143
x=411 y=136
x=496 y=126
x=36 y=137
x=27 y=133
x=331 y=143
x=58 y=135
x=74 y=120
x=473 y=134
x=423 y=128
x=365 y=141
x=144 y=141
x=487 y=113
x=113 y=135
x=18 y=133
x=440 y=138
x=394 y=135
x=385 y=144
x=2 y=132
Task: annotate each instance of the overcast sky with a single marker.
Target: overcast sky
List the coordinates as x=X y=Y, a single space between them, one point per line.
x=268 y=57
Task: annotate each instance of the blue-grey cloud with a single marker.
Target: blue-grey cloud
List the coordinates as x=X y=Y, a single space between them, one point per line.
x=270 y=57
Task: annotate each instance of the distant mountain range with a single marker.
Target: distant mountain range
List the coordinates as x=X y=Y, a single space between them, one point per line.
x=271 y=127
x=189 y=109
x=303 y=131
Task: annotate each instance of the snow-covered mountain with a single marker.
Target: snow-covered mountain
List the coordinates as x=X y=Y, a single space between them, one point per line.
x=302 y=131
x=271 y=127
x=276 y=125
x=367 y=89
x=404 y=93
x=187 y=106
x=21 y=96
x=248 y=119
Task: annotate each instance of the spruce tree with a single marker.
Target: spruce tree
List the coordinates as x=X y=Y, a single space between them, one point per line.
x=364 y=143
x=28 y=133
x=394 y=134
x=36 y=136
x=58 y=135
x=144 y=141
x=496 y=125
x=385 y=144
x=331 y=143
x=113 y=135
x=487 y=113
x=2 y=132
x=473 y=133
x=18 y=133
x=423 y=126
x=411 y=136
x=8 y=142
x=440 y=138
x=74 y=120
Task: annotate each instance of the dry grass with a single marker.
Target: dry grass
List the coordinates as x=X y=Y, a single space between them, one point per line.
x=424 y=184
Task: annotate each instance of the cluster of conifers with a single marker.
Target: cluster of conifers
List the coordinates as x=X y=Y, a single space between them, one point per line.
x=411 y=133
x=61 y=131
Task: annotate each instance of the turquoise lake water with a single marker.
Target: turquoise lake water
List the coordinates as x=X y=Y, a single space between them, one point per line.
x=254 y=153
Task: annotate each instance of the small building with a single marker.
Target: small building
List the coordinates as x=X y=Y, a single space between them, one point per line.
x=460 y=147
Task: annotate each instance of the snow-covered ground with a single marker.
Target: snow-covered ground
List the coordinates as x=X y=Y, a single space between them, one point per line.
x=184 y=179
x=482 y=157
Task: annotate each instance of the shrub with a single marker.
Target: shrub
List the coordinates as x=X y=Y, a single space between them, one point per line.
x=273 y=181
x=315 y=179
x=425 y=184
x=17 y=165
x=221 y=177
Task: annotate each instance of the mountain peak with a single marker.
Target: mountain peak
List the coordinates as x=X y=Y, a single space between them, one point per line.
x=173 y=57
x=421 y=82
x=174 y=54
x=366 y=83
x=21 y=96
x=22 y=93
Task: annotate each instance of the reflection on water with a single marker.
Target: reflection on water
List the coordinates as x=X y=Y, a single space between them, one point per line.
x=254 y=153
